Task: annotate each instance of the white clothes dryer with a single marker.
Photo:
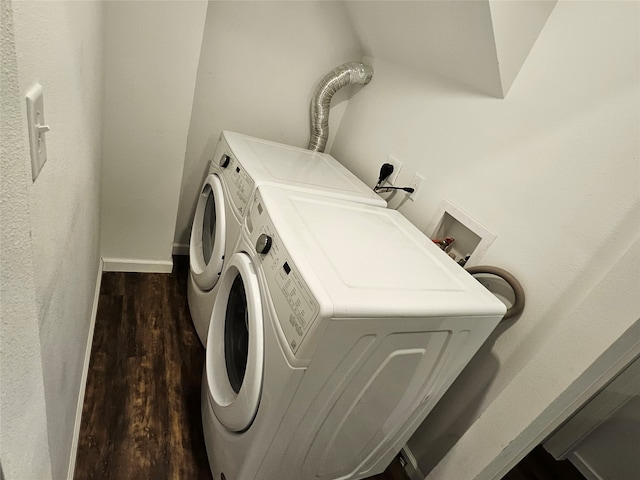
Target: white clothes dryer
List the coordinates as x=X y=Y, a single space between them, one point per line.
x=337 y=328
x=241 y=163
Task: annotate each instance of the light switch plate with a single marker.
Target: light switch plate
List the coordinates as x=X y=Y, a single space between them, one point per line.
x=37 y=129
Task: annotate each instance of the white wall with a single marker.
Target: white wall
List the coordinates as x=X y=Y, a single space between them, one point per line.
x=516 y=26
x=552 y=169
x=259 y=65
x=58 y=44
x=151 y=59
x=24 y=449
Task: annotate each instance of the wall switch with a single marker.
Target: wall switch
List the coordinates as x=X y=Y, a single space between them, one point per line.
x=397 y=167
x=416 y=183
x=37 y=129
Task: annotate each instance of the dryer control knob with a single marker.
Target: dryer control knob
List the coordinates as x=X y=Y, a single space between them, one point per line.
x=224 y=160
x=263 y=244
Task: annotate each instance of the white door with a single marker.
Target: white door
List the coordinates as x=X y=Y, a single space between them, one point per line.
x=206 y=247
x=235 y=346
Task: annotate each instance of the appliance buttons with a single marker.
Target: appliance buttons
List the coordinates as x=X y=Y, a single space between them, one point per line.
x=263 y=244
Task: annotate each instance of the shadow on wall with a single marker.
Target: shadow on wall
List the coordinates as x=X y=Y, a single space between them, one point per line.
x=206 y=158
x=458 y=408
x=204 y=161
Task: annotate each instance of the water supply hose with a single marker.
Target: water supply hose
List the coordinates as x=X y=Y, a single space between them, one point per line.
x=518 y=302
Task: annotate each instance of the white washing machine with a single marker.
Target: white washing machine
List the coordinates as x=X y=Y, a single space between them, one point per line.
x=336 y=329
x=241 y=163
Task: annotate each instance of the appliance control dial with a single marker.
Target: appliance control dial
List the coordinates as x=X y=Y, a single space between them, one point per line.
x=224 y=160
x=263 y=244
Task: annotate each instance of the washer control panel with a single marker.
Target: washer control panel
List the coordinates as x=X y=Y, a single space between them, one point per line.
x=238 y=181
x=295 y=305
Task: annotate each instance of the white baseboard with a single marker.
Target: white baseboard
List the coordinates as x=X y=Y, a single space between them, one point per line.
x=85 y=372
x=412 y=468
x=180 y=249
x=135 y=265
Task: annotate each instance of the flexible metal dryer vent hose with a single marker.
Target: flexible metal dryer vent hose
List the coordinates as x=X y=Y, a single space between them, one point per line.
x=345 y=74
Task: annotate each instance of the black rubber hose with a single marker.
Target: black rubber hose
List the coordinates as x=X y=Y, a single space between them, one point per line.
x=518 y=302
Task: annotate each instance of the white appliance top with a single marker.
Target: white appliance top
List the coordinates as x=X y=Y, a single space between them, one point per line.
x=274 y=163
x=360 y=260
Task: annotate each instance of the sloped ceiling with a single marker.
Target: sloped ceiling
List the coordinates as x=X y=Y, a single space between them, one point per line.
x=516 y=27
x=477 y=45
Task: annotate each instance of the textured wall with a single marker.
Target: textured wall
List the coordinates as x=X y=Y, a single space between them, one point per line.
x=59 y=45
x=259 y=65
x=552 y=169
x=151 y=59
x=24 y=451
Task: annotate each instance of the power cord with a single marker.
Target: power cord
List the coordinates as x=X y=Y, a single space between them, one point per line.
x=388 y=189
x=385 y=171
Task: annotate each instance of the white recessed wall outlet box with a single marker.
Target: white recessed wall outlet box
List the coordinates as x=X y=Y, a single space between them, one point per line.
x=471 y=237
x=37 y=129
x=397 y=167
x=416 y=183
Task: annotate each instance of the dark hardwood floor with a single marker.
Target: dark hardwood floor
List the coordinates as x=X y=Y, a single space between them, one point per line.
x=141 y=413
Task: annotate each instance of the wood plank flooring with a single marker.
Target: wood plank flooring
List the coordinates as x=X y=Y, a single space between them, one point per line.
x=141 y=413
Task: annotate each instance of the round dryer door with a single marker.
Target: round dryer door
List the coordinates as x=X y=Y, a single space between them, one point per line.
x=235 y=346
x=206 y=247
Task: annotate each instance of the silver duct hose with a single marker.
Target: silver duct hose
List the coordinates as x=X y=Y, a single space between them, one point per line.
x=345 y=74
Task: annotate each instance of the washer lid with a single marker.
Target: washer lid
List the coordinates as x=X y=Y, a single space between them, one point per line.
x=235 y=346
x=207 y=243
x=361 y=260
x=275 y=163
